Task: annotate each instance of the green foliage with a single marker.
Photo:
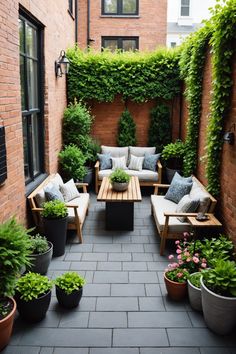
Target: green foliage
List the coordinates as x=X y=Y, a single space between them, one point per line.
x=33 y=285
x=195 y=279
x=39 y=244
x=173 y=151
x=15 y=249
x=222 y=278
x=119 y=176
x=159 y=133
x=138 y=76
x=177 y=275
x=70 y=282
x=55 y=209
x=72 y=161
x=126 y=130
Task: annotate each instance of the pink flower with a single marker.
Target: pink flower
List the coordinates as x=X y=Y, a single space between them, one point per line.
x=177 y=242
x=179 y=275
x=179 y=256
x=186 y=234
x=171 y=256
x=195 y=259
x=188 y=259
x=175 y=265
x=196 y=254
x=187 y=254
x=203 y=265
x=178 y=251
x=181 y=262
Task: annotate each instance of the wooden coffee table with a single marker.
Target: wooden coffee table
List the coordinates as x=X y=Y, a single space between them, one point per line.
x=120 y=205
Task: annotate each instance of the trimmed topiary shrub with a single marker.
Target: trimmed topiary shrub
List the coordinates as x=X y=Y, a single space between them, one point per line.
x=159 y=133
x=126 y=130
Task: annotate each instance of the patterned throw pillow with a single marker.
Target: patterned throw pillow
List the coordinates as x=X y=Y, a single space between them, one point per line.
x=105 y=161
x=69 y=190
x=53 y=193
x=119 y=162
x=136 y=163
x=177 y=190
x=186 y=205
x=180 y=178
x=150 y=162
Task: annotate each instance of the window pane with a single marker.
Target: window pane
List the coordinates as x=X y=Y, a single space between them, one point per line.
x=185 y=2
x=32 y=78
x=184 y=11
x=129 y=7
x=21 y=31
x=31 y=41
x=35 y=143
x=22 y=83
x=129 y=44
x=26 y=149
x=111 y=44
x=110 y=6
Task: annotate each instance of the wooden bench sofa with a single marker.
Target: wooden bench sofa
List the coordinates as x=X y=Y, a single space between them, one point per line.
x=77 y=208
x=165 y=215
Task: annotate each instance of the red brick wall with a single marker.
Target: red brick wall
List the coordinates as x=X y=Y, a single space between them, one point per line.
x=56 y=38
x=150 y=26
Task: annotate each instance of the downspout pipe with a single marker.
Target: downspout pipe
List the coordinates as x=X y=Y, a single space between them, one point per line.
x=76 y=21
x=88 y=23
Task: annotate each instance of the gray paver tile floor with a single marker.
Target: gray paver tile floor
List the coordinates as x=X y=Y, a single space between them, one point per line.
x=124 y=308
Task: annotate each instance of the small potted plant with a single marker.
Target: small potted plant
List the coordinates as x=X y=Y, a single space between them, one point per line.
x=15 y=248
x=72 y=161
x=175 y=279
x=41 y=254
x=69 y=289
x=119 y=180
x=194 y=291
x=54 y=215
x=218 y=285
x=173 y=154
x=33 y=295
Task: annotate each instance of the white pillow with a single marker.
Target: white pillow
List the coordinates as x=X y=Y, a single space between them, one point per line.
x=204 y=200
x=186 y=205
x=69 y=190
x=119 y=162
x=136 y=163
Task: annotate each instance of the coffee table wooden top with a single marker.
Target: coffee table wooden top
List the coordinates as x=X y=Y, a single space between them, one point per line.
x=132 y=194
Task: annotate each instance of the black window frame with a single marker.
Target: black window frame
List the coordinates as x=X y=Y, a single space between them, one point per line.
x=71 y=8
x=119 y=9
x=39 y=110
x=120 y=41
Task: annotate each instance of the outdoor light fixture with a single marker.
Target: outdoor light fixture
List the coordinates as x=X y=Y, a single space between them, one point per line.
x=229 y=136
x=62 y=64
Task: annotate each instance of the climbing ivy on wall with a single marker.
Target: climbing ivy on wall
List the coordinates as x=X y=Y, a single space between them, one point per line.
x=139 y=76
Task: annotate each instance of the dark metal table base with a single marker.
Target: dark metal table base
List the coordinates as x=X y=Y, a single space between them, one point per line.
x=120 y=216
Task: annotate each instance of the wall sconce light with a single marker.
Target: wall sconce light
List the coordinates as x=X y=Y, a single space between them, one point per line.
x=229 y=136
x=62 y=64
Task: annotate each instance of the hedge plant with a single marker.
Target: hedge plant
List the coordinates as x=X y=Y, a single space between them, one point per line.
x=159 y=133
x=126 y=130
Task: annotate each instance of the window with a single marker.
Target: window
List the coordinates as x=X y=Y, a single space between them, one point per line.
x=120 y=7
x=124 y=43
x=173 y=44
x=31 y=98
x=185 y=8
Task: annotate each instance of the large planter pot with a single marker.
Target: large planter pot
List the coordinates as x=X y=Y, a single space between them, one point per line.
x=176 y=291
x=55 y=232
x=170 y=172
x=40 y=262
x=195 y=296
x=6 y=325
x=34 y=310
x=120 y=187
x=71 y=300
x=88 y=178
x=219 y=311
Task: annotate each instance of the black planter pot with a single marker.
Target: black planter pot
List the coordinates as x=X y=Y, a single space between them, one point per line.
x=170 y=174
x=71 y=300
x=88 y=178
x=55 y=232
x=40 y=262
x=34 y=310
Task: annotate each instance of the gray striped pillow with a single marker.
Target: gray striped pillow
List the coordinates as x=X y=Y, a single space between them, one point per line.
x=119 y=162
x=136 y=163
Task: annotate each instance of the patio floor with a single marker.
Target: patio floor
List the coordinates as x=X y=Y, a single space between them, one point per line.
x=124 y=308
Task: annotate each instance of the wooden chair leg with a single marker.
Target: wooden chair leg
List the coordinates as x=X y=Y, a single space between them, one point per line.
x=163 y=244
x=79 y=233
x=163 y=235
x=96 y=186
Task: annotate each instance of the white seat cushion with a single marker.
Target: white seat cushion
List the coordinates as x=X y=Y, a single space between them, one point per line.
x=144 y=175
x=161 y=206
x=82 y=201
x=115 y=151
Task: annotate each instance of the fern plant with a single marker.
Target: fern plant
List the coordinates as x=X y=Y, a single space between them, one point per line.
x=126 y=130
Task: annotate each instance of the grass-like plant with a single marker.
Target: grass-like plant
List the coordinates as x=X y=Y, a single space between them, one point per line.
x=54 y=209
x=33 y=285
x=39 y=244
x=119 y=176
x=70 y=282
x=195 y=279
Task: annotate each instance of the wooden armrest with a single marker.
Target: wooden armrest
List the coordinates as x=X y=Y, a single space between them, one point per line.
x=36 y=209
x=82 y=185
x=180 y=214
x=159 y=164
x=72 y=206
x=97 y=164
x=160 y=185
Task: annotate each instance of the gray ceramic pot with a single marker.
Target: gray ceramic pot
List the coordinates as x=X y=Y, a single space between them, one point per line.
x=195 y=296
x=40 y=262
x=120 y=187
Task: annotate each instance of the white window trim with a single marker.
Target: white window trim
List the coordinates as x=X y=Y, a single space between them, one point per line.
x=190 y=10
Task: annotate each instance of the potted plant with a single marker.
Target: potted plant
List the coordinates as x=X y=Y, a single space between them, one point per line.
x=54 y=215
x=72 y=161
x=218 y=285
x=33 y=295
x=173 y=154
x=15 y=248
x=41 y=254
x=69 y=289
x=119 y=180
x=194 y=291
x=175 y=279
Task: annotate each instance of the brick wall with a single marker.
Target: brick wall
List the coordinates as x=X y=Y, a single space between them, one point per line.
x=150 y=26
x=56 y=38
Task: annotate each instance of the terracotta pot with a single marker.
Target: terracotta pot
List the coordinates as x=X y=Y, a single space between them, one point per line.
x=176 y=291
x=6 y=325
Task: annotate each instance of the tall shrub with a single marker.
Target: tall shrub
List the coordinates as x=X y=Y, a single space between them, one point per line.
x=159 y=133
x=126 y=130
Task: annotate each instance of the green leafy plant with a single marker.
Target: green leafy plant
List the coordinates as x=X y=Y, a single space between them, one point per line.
x=195 y=279
x=55 y=209
x=178 y=275
x=72 y=161
x=15 y=250
x=222 y=278
x=33 y=285
x=39 y=244
x=173 y=154
x=159 y=133
x=70 y=282
x=126 y=130
x=119 y=176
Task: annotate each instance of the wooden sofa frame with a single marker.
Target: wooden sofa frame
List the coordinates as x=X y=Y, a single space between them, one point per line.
x=77 y=225
x=165 y=234
x=142 y=183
